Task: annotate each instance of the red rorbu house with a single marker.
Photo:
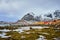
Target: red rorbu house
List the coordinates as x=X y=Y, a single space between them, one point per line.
x=47 y=22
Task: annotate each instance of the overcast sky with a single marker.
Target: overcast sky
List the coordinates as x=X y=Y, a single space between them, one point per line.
x=12 y=10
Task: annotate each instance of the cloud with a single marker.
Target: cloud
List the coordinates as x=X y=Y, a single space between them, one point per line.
x=11 y=7
x=16 y=9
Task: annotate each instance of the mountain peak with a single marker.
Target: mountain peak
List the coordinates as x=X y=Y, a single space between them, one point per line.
x=30 y=13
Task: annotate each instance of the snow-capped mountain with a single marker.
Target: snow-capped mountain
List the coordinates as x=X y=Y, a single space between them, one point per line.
x=57 y=14
x=28 y=17
x=44 y=17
